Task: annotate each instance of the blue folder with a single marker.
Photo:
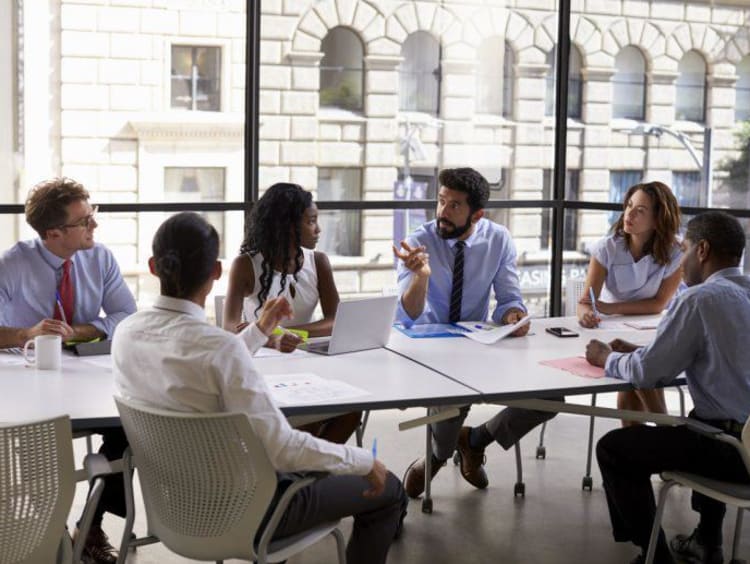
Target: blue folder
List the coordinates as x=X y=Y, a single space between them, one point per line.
x=431 y=330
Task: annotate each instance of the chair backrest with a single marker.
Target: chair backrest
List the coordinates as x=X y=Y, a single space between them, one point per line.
x=573 y=292
x=36 y=489
x=219 y=310
x=206 y=479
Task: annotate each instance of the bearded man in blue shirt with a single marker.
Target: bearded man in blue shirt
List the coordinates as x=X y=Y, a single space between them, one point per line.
x=448 y=268
x=59 y=284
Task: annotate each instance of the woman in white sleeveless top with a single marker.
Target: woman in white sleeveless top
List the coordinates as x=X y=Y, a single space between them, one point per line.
x=636 y=270
x=277 y=259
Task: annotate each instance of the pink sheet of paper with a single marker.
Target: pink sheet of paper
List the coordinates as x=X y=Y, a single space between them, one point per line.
x=575 y=365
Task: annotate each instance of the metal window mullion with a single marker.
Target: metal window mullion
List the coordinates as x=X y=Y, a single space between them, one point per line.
x=561 y=132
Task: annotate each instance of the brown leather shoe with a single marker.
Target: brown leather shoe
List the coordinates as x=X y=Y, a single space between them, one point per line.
x=414 y=477
x=97 y=549
x=472 y=461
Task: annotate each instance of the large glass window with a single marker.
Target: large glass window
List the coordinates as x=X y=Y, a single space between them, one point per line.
x=341 y=70
x=570 y=229
x=686 y=186
x=495 y=78
x=419 y=86
x=690 y=97
x=341 y=230
x=192 y=184
x=629 y=84
x=575 y=83
x=742 y=90
x=196 y=77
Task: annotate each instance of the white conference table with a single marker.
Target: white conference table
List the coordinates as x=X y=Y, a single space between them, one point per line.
x=83 y=388
x=509 y=369
x=408 y=373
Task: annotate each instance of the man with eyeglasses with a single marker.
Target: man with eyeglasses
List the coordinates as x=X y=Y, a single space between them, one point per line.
x=64 y=283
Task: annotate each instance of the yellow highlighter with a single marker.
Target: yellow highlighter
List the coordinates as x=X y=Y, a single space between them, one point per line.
x=301 y=333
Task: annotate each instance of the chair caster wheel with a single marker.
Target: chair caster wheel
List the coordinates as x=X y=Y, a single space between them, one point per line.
x=519 y=490
x=427 y=505
x=587 y=483
x=541 y=453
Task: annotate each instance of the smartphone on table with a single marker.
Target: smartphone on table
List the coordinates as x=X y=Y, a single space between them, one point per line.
x=561 y=332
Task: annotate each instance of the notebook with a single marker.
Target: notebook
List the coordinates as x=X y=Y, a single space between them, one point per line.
x=359 y=325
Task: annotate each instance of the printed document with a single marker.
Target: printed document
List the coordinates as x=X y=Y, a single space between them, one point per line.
x=308 y=388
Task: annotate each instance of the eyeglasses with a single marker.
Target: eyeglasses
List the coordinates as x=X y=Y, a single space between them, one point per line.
x=85 y=221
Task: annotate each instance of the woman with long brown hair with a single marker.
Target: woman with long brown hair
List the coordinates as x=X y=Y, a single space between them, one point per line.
x=636 y=270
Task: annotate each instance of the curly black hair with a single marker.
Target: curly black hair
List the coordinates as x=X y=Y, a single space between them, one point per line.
x=273 y=229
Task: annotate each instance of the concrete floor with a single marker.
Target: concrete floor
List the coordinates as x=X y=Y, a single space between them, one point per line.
x=555 y=523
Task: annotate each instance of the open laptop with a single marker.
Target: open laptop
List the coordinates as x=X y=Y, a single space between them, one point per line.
x=359 y=325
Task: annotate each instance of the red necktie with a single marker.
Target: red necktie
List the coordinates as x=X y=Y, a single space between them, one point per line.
x=67 y=294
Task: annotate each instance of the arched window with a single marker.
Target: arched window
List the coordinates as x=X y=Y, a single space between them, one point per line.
x=742 y=90
x=629 y=84
x=419 y=77
x=690 y=95
x=341 y=73
x=495 y=77
x=575 y=83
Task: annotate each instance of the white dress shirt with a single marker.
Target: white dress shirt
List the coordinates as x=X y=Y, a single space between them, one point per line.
x=169 y=357
x=704 y=334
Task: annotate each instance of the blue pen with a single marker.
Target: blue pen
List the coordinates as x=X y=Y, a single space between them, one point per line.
x=593 y=301
x=59 y=305
x=375 y=447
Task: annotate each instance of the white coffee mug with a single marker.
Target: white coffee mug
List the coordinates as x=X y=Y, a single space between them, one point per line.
x=47 y=352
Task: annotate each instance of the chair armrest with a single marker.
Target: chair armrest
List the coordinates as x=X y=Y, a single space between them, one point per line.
x=719 y=435
x=96 y=465
x=297 y=484
x=702 y=428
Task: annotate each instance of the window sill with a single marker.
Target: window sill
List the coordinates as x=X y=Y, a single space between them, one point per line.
x=573 y=123
x=418 y=118
x=339 y=115
x=492 y=119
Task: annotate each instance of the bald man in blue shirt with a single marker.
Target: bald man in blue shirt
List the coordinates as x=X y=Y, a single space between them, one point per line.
x=448 y=268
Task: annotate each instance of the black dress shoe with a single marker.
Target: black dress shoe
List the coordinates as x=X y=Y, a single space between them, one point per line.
x=414 y=476
x=691 y=550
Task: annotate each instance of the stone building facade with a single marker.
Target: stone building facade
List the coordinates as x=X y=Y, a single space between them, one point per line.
x=97 y=103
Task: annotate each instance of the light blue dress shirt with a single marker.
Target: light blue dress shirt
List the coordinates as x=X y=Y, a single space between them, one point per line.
x=705 y=334
x=489 y=264
x=29 y=277
x=628 y=280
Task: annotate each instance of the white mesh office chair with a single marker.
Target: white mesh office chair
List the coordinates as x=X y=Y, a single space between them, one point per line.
x=727 y=492
x=37 y=484
x=207 y=484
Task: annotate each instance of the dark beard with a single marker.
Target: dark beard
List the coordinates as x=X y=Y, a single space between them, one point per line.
x=456 y=232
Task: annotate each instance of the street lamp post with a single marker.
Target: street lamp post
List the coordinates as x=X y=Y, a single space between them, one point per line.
x=704 y=164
